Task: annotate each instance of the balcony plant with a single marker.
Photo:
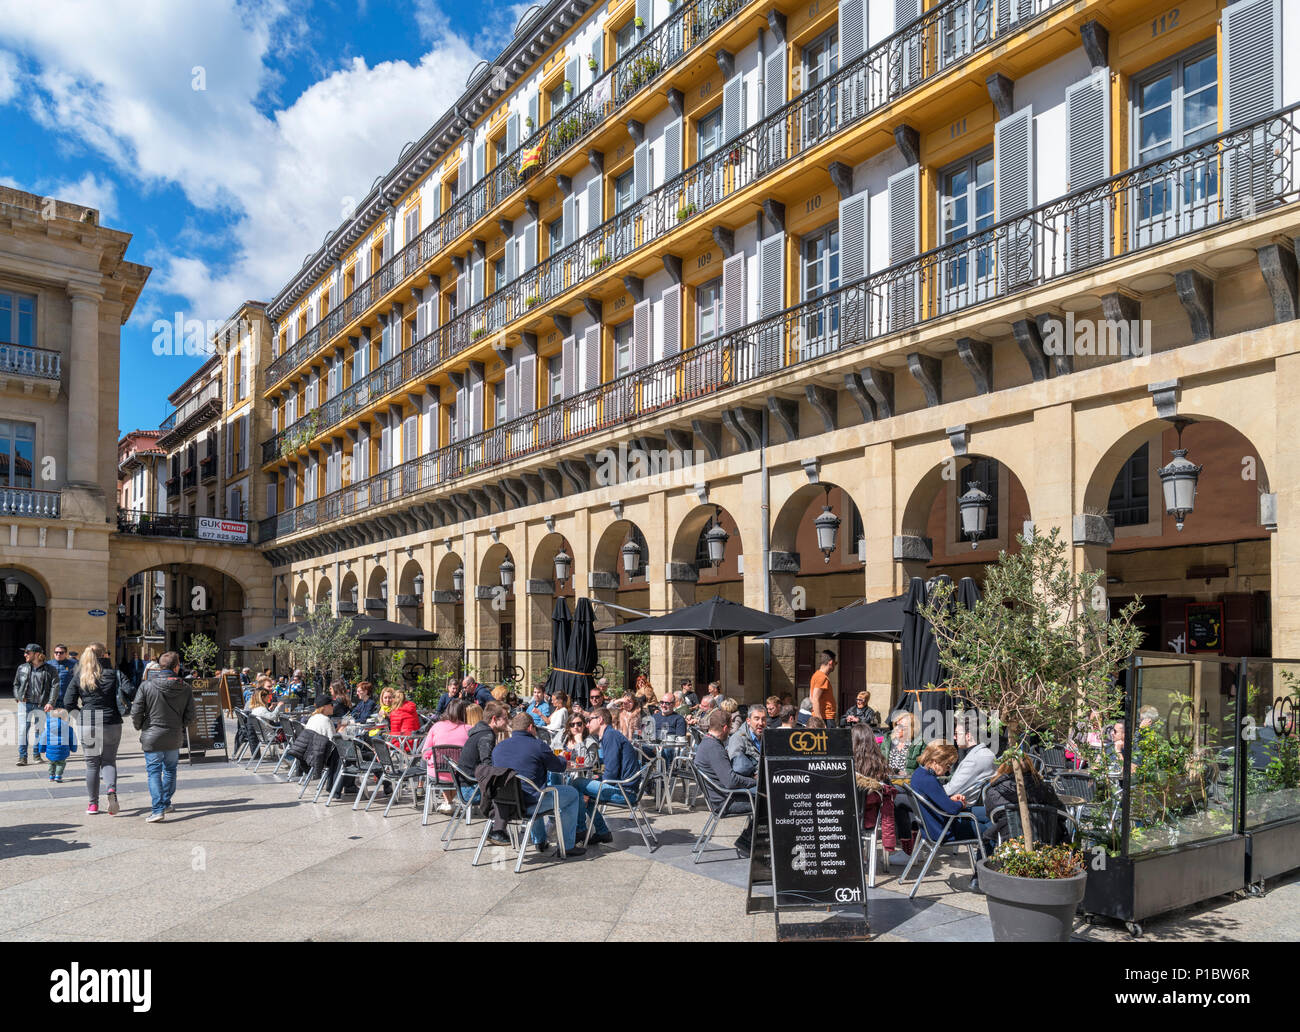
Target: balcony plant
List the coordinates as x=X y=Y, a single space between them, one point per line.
x=592 y=63
x=532 y=301
x=599 y=262
x=643 y=69
x=568 y=86
x=478 y=333
x=1038 y=655
x=686 y=211
x=639 y=22
x=528 y=121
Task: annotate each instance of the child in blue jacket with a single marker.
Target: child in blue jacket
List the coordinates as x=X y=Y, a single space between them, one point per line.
x=58 y=741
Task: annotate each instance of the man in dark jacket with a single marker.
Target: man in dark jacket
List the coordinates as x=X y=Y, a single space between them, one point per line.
x=163 y=707
x=529 y=758
x=711 y=757
x=36 y=689
x=620 y=761
x=65 y=665
x=477 y=751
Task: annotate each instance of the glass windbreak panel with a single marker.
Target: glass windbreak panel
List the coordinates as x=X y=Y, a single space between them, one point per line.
x=1180 y=783
x=1271 y=741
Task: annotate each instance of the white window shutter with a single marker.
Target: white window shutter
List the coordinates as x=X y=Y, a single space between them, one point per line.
x=411 y=437
x=1087 y=160
x=526 y=382
x=476 y=281
x=512 y=134
x=570 y=216
x=530 y=246
x=243 y=442
x=733 y=293
x=645 y=10
x=672 y=149
x=434 y=199
x=906 y=55
x=532 y=114
x=853 y=30
x=270 y=499
x=568 y=367
x=480 y=161
x=475 y=402
x=462 y=290
x=732 y=116
x=904 y=244
x=1013 y=193
x=1252 y=91
x=771 y=261
x=672 y=312
x=512 y=391
x=774 y=69
x=462 y=413
x=571 y=73
x=511 y=256
x=641 y=334
x=853 y=238
x=1009 y=12
x=640 y=170
x=595 y=203
x=591 y=357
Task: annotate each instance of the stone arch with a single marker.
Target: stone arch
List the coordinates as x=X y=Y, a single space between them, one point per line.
x=447 y=565
x=349 y=588
x=794 y=514
x=411 y=591
x=302 y=596
x=406 y=580
x=542 y=564
x=607 y=556
x=692 y=525
x=489 y=571
x=324 y=595
x=377 y=584
x=30 y=579
x=222 y=609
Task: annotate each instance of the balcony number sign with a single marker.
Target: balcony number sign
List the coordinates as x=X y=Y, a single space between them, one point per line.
x=810 y=845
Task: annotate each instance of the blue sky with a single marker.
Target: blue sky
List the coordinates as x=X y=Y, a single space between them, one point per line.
x=227 y=137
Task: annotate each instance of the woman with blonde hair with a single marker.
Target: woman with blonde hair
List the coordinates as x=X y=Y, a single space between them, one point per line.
x=101 y=693
x=258 y=706
x=905 y=745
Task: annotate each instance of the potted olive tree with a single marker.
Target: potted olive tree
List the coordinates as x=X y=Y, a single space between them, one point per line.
x=1038 y=653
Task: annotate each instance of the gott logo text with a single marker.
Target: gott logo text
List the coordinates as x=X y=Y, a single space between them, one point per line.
x=808 y=741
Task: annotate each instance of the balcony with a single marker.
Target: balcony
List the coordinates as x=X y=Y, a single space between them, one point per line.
x=177 y=525
x=1237 y=176
x=30 y=370
x=193 y=414
x=29 y=503
x=189 y=478
x=173 y=485
x=687 y=29
x=208 y=468
x=819 y=117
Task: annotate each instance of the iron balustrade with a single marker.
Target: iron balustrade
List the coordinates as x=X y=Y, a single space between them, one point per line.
x=161 y=524
x=28 y=502
x=687 y=28
x=896 y=65
x=1237 y=175
x=208 y=467
x=212 y=392
x=15 y=359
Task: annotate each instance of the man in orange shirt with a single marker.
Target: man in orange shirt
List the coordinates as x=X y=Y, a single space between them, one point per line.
x=823 y=698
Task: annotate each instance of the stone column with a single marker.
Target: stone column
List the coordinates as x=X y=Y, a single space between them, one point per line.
x=1284 y=548
x=84 y=399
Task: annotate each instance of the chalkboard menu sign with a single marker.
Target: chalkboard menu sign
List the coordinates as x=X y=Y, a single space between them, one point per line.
x=206 y=732
x=813 y=818
x=1205 y=627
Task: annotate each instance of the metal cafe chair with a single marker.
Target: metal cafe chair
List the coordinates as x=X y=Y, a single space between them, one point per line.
x=414 y=771
x=967 y=837
x=461 y=807
x=520 y=818
x=1046 y=821
x=244 y=736
x=439 y=777
x=683 y=767
x=391 y=768
x=267 y=735
x=658 y=775
x=718 y=812
x=292 y=729
x=871 y=840
x=349 y=762
x=630 y=791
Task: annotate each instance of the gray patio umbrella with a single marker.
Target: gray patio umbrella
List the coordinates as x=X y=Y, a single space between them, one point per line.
x=881 y=620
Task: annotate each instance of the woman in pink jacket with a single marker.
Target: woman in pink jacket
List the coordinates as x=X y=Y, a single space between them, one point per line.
x=451 y=730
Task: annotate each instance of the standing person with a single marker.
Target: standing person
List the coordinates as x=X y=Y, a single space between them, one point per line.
x=163 y=706
x=59 y=741
x=65 y=664
x=36 y=689
x=101 y=694
x=823 y=698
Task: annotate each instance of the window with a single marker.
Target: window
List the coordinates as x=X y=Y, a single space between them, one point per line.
x=623 y=195
x=708 y=309
x=1130 y=494
x=17 y=453
x=411 y=223
x=965 y=208
x=626 y=38
x=1175 y=106
x=498 y=151
x=820 y=255
x=498 y=274
x=554 y=379
x=18 y=319
x=708 y=134
x=821 y=60
x=559 y=97
x=498 y=403
x=622 y=348
x=984 y=472
x=555 y=236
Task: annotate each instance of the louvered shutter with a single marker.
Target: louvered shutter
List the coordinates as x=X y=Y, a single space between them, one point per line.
x=432 y=414
x=774 y=95
x=645 y=11
x=476 y=281
x=526 y=382
x=512 y=134
x=568 y=368
x=530 y=245
x=595 y=203
x=640 y=170
x=1013 y=194
x=570 y=219
x=591 y=357
x=1087 y=150
x=243 y=443
x=905 y=50
x=480 y=160
x=732 y=116
x=672 y=149
x=532 y=114
x=1252 y=91
x=733 y=293
x=512 y=259
x=672 y=312
x=462 y=413
x=433 y=200
x=771 y=299
x=904 y=244
x=598 y=55
x=230 y=451
x=512 y=390
x=271 y=508
x=1011 y=12
x=462 y=290
x=853 y=30
x=854 y=239
x=385 y=444
x=476 y=403
x=641 y=334
x=386 y=248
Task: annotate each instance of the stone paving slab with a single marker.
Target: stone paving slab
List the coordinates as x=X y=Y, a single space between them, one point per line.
x=243 y=858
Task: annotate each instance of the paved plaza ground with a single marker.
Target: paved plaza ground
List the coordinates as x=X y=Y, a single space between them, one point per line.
x=242 y=858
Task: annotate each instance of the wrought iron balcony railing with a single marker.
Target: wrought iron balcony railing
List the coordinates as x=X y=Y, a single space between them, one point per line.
x=1237 y=175
x=685 y=30
x=895 y=66
x=208 y=467
x=180 y=525
x=37 y=363
x=30 y=503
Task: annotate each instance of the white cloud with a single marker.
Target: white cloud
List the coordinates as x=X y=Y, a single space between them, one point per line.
x=8 y=76
x=125 y=86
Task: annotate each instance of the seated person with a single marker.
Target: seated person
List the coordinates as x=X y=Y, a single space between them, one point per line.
x=978 y=763
x=621 y=762
x=872 y=772
x=451 y=691
x=773 y=707
x=339 y=693
x=365 y=708
x=576 y=742
x=745 y=746
x=257 y=707
x=538 y=707
x=805 y=711
x=530 y=758
x=481 y=693
x=451 y=731
x=668 y=721
x=905 y=745
x=787 y=716
x=319 y=721
x=686 y=692
x=936 y=760
x=711 y=757
x=559 y=718
x=1002 y=792
x=482 y=738
x=861 y=712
